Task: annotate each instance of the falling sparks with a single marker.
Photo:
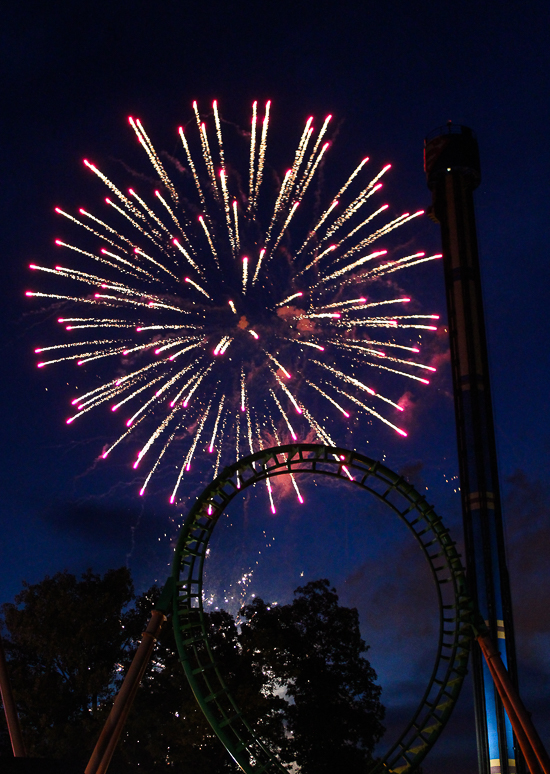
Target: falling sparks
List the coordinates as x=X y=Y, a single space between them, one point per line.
x=218 y=352
x=245 y=274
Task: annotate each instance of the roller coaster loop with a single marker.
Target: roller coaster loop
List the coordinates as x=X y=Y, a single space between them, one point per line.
x=251 y=752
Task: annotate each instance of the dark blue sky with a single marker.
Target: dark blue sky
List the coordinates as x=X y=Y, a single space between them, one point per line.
x=390 y=73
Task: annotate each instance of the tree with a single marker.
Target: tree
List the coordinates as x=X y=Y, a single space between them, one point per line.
x=297 y=671
x=312 y=649
x=65 y=645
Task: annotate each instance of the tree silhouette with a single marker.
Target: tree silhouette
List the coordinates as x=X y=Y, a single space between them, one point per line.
x=312 y=650
x=66 y=646
x=297 y=671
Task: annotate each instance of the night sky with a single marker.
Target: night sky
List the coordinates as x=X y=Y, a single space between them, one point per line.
x=390 y=73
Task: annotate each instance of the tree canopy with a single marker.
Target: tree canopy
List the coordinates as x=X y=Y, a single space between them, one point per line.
x=298 y=672
x=66 y=644
x=312 y=649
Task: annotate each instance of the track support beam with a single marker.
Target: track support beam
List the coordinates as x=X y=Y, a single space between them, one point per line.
x=108 y=739
x=10 y=709
x=452 y=168
x=532 y=748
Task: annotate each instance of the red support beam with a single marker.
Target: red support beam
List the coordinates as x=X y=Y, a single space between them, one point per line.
x=108 y=739
x=10 y=709
x=532 y=748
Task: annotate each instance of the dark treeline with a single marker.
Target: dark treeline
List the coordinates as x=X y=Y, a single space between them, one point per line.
x=298 y=672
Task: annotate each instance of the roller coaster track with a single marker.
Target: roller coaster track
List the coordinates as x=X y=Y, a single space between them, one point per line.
x=251 y=752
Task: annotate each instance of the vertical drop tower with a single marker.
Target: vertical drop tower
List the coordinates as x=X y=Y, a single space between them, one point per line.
x=451 y=163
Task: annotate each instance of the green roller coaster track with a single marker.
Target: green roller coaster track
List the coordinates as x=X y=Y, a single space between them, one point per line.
x=251 y=752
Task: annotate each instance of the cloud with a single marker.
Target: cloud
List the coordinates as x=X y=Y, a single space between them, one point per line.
x=399 y=597
x=527 y=520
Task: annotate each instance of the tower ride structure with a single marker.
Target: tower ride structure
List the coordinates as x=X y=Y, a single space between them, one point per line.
x=451 y=163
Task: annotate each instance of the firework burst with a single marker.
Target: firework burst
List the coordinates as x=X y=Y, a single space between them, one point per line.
x=226 y=323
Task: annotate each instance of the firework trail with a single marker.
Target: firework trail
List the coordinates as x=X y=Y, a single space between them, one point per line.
x=221 y=326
